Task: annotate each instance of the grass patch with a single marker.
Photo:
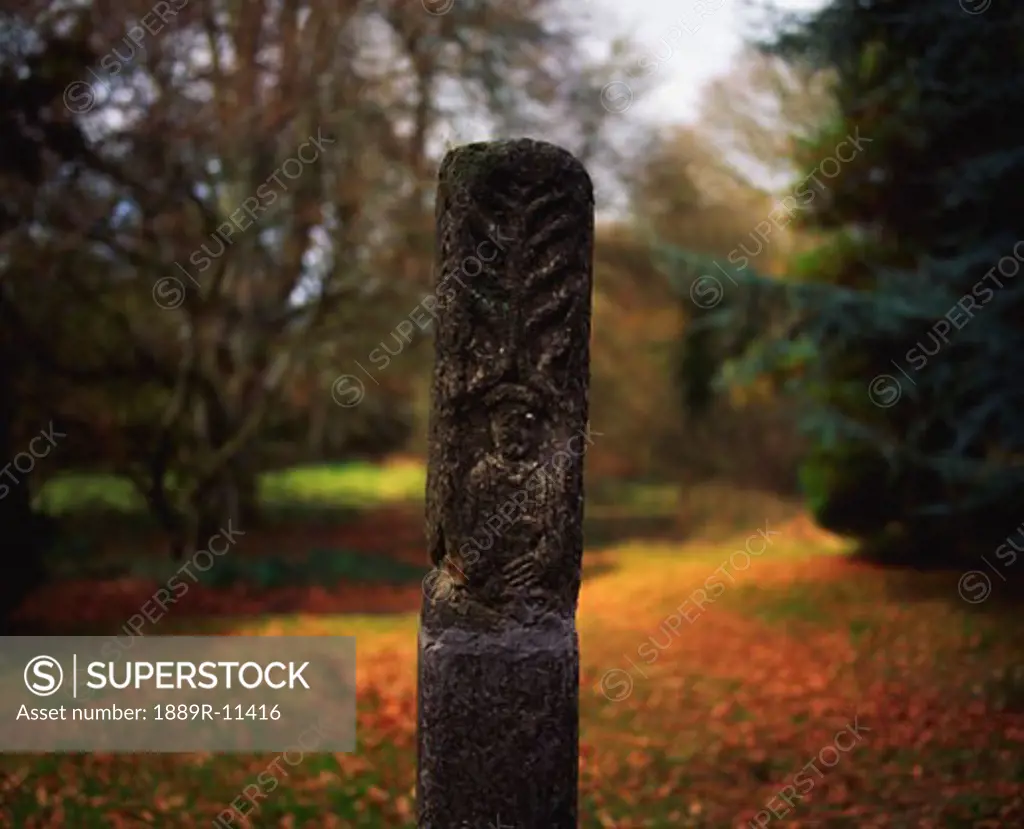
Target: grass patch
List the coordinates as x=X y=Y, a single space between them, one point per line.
x=81 y=493
x=811 y=602
x=610 y=499
x=354 y=485
x=793 y=605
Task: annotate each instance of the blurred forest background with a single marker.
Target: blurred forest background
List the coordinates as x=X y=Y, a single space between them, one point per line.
x=763 y=274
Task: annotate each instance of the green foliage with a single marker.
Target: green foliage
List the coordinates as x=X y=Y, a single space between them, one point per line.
x=325 y=486
x=354 y=484
x=913 y=226
x=848 y=488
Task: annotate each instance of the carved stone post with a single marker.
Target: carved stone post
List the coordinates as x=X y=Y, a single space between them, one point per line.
x=498 y=651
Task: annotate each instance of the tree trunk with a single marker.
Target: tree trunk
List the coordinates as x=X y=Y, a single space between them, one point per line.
x=229 y=501
x=245 y=482
x=22 y=559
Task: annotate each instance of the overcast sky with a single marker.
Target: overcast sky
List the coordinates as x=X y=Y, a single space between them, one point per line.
x=686 y=43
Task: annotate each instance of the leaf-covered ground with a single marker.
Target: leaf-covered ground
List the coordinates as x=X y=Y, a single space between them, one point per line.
x=716 y=689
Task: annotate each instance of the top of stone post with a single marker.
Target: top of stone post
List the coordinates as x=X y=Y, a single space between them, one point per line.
x=482 y=169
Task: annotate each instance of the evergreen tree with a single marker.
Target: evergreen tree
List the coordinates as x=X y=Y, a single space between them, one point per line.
x=903 y=336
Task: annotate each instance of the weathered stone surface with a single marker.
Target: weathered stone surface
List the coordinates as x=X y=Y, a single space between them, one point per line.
x=499 y=654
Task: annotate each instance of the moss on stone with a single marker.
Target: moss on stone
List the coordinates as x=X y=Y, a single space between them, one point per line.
x=462 y=164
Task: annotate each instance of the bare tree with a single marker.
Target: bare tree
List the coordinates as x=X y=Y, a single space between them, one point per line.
x=253 y=174
x=758 y=110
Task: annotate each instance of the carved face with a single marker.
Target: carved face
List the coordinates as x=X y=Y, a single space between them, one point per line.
x=516 y=431
x=518 y=423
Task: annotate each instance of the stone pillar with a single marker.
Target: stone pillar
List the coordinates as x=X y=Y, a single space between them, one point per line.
x=498 y=724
